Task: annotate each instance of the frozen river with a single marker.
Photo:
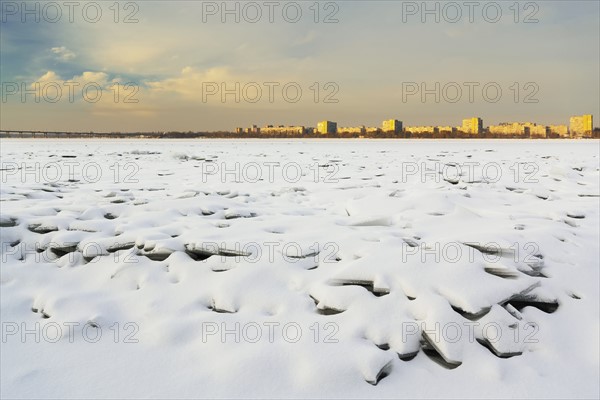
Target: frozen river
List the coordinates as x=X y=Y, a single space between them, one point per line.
x=291 y=268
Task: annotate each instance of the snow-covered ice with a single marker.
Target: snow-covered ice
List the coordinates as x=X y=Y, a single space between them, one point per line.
x=299 y=269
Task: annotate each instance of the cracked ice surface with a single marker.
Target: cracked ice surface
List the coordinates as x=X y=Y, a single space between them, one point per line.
x=299 y=268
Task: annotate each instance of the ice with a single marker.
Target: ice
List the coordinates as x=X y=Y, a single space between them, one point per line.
x=350 y=269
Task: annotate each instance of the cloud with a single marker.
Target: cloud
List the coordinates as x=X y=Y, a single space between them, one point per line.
x=140 y=55
x=190 y=83
x=99 y=78
x=104 y=96
x=63 y=54
x=49 y=76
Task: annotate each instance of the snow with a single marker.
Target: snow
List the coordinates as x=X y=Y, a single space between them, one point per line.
x=323 y=268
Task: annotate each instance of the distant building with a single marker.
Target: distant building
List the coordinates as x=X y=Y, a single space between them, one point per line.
x=447 y=129
x=421 y=129
x=519 y=128
x=538 y=131
x=284 y=130
x=325 y=127
x=560 y=130
x=253 y=129
x=392 y=125
x=352 y=129
x=581 y=126
x=510 y=128
x=472 y=125
x=239 y=130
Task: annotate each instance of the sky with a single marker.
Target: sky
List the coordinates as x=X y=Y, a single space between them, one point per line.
x=133 y=66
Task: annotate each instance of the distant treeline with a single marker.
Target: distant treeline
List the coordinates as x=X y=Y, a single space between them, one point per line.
x=233 y=135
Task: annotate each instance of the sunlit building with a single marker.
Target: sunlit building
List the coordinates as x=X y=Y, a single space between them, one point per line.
x=421 y=129
x=392 y=125
x=446 y=129
x=537 y=131
x=472 y=125
x=325 y=127
x=510 y=128
x=582 y=125
x=560 y=130
x=284 y=130
x=352 y=129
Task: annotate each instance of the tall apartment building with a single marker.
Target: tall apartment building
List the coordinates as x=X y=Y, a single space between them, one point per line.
x=392 y=125
x=472 y=126
x=582 y=125
x=325 y=127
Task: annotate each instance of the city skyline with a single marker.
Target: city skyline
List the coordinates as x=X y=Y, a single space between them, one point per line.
x=183 y=80
x=580 y=125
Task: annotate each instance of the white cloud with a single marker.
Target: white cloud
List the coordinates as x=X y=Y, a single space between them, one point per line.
x=102 y=94
x=189 y=83
x=63 y=54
